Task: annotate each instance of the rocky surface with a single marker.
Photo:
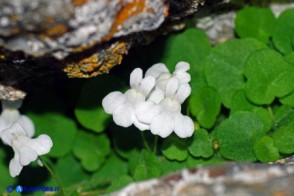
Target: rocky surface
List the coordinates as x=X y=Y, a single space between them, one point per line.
x=242 y=179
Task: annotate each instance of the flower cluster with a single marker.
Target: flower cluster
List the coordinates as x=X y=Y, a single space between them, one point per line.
x=154 y=102
x=16 y=131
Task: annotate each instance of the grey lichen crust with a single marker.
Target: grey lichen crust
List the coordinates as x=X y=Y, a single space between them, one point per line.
x=57 y=28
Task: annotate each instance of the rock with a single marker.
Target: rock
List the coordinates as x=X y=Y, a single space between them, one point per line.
x=226 y=179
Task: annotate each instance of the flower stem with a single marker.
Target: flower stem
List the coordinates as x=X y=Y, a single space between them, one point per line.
x=53 y=176
x=145 y=142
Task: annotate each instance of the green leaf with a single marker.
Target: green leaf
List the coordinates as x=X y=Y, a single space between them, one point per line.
x=66 y=167
x=255 y=22
x=241 y=103
x=283 y=33
x=112 y=168
x=201 y=144
x=175 y=148
x=89 y=110
x=168 y=166
x=205 y=104
x=119 y=183
x=225 y=66
x=284 y=115
x=144 y=166
x=238 y=134
x=193 y=162
x=284 y=138
x=265 y=150
x=91 y=149
x=269 y=76
x=5 y=178
x=191 y=45
x=61 y=129
x=126 y=141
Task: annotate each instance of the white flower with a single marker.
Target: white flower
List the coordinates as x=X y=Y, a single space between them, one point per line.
x=166 y=117
x=162 y=75
x=10 y=115
x=25 y=148
x=122 y=106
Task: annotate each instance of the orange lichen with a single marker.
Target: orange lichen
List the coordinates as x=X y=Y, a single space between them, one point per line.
x=97 y=63
x=56 y=30
x=77 y=3
x=127 y=11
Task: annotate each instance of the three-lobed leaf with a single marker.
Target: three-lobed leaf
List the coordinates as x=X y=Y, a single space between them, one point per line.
x=205 y=104
x=255 y=22
x=224 y=69
x=237 y=135
x=91 y=149
x=268 y=76
x=265 y=149
x=201 y=144
x=175 y=148
x=283 y=35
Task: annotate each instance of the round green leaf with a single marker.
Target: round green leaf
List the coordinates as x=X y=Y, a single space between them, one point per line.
x=144 y=166
x=112 y=168
x=241 y=103
x=269 y=76
x=265 y=150
x=168 y=166
x=89 y=110
x=224 y=67
x=201 y=144
x=61 y=129
x=255 y=22
x=284 y=138
x=284 y=31
x=175 y=148
x=119 y=182
x=238 y=134
x=91 y=149
x=205 y=104
x=191 y=45
x=66 y=167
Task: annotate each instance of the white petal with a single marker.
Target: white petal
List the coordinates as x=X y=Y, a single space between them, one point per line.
x=162 y=125
x=146 y=111
x=3 y=125
x=162 y=80
x=171 y=87
x=183 y=77
x=11 y=105
x=27 y=124
x=141 y=126
x=123 y=115
x=156 y=95
x=146 y=85
x=156 y=69
x=184 y=126
x=41 y=144
x=15 y=167
x=134 y=97
x=11 y=133
x=182 y=66
x=136 y=77
x=10 y=116
x=112 y=101
x=183 y=92
x=27 y=155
